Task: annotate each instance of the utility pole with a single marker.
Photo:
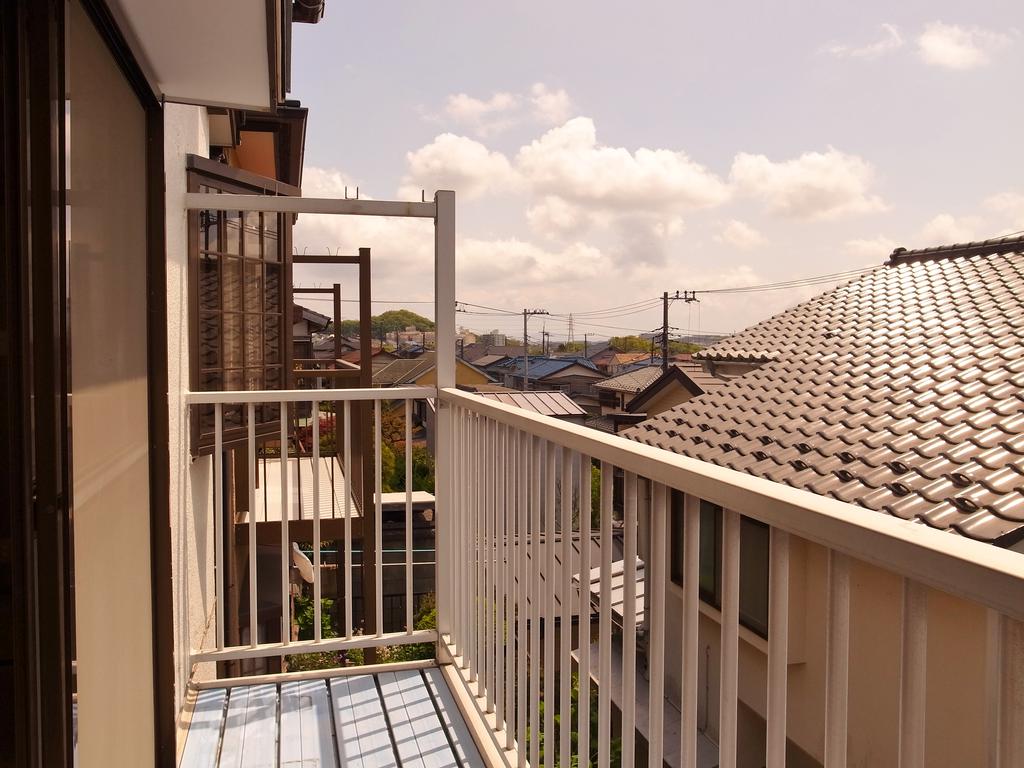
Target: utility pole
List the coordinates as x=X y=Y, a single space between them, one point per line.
x=527 y=313
x=546 y=336
x=688 y=297
x=586 y=351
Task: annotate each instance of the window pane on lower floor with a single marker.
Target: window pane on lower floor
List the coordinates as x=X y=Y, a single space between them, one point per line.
x=754 y=553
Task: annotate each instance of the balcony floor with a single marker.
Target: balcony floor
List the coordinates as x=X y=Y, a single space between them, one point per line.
x=406 y=718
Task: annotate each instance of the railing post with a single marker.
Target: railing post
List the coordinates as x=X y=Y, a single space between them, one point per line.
x=444 y=318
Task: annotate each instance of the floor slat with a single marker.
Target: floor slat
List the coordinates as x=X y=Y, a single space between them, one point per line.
x=360 y=726
x=204 y=731
x=250 y=732
x=415 y=724
x=307 y=736
x=449 y=711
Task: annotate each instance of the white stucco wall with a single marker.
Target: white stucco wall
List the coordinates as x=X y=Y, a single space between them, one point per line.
x=186 y=130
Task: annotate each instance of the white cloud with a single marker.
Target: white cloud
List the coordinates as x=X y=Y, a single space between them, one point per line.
x=455 y=162
x=568 y=162
x=889 y=41
x=946 y=229
x=961 y=48
x=1009 y=205
x=550 y=107
x=484 y=116
x=740 y=235
x=872 y=250
x=523 y=264
x=815 y=185
x=541 y=104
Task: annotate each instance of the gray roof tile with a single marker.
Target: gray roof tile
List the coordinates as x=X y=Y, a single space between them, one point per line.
x=901 y=391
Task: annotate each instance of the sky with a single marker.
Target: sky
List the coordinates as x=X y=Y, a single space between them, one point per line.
x=602 y=153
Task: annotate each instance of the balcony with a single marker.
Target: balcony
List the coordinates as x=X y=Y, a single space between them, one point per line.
x=571 y=627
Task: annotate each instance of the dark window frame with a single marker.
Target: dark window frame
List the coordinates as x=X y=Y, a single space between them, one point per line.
x=218 y=177
x=710 y=548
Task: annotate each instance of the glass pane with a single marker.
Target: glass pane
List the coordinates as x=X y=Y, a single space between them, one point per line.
x=710 y=552
x=253 y=340
x=208 y=230
x=754 y=539
x=272 y=288
x=232 y=232
x=209 y=381
x=232 y=285
x=253 y=286
x=272 y=339
x=273 y=377
x=232 y=328
x=676 y=545
x=233 y=413
x=209 y=281
x=270 y=247
x=252 y=235
x=209 y=340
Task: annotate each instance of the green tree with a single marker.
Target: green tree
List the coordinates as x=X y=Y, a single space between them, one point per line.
x=305 y=619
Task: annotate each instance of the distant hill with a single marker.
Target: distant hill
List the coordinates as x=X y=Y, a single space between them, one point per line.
x=386 y=322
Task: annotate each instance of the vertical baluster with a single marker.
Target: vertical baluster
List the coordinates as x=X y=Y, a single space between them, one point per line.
x=604 y=632
x=347 y=439
x=654 y=591
x=583 y=630
x=522 y=590
x=629 y=569
x=501 y=563
x=466 y=552
x=487 y=603
x=508 y=473
x=778 y=648
x=691 y=622
x=477 y=518
x=378 y=514
x=837 y=653
x=565 y=628
x=730 y=637
x=253 y=616
x=913 y=674
x=536 y=598
x=218 y=510
x=550 y=580
x=408 y=516
x=317 y=628
x=286 y=555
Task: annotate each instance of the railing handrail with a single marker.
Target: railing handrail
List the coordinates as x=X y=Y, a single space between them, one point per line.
x=308 y=395
x=974 y=570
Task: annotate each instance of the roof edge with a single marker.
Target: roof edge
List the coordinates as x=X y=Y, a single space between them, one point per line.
x=991 y=247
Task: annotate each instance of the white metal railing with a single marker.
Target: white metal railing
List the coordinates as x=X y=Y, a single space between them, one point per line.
x=350 y=637
x=518 y=540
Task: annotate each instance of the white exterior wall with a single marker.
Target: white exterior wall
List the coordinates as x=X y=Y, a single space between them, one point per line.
x=186 y=131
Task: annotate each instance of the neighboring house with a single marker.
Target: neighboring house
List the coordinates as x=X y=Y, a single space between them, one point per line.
x=421 y=371
x=306 y=322
x=574 y=376
x=472 y=352
x=555 y=404
x=681 y=382
x=901 y=392
x=617 y=392
x=488 y=361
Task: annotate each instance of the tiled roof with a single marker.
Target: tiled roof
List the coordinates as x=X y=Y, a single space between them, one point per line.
x=633 y=381
x=404 y=370
x=540 y=367
x=546 y=403
x=901 y=391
